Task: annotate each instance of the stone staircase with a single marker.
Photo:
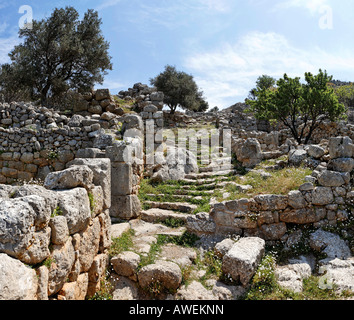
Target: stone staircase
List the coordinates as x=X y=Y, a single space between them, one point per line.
x=182 y=204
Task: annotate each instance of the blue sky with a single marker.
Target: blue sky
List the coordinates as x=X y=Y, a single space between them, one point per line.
x=224 y=44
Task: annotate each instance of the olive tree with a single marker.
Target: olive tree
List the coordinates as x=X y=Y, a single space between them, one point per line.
x=180 y=90
x=59 y=53
x=301 y=107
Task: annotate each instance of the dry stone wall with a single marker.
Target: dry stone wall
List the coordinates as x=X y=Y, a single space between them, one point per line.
x=61 y=230
x=324 y=200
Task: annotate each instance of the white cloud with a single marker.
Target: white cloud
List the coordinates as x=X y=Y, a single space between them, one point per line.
x=227 y=74
x=113 y=85
x=215 y=5
x=107 y=4
x=6 y=45
x=313 y=6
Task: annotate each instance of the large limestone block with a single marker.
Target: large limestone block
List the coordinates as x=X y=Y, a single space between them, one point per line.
x=341 y=165
x=249 y=152
x=126 y=264
x=338 y=274
x=76 y=291
x=89 y=245
x=60 y=230
x=17 y=281
x=122 y=179
x=126 y=207
x=168 y=274
x=31 y=190
x=341 y=147
x=74 y=205
x=19 y=236
x=242 y=260
x=75 y=176
x=62 y=260
x=101 y=169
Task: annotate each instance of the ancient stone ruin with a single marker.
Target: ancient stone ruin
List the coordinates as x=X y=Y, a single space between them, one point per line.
x=75 y=186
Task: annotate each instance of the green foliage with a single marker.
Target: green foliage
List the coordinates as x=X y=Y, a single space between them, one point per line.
x=57 y=212
x=300 y=107
x=264 y=281
x=58 y=53
x=180 y=90
x=345 y=95
x=264 y=82
x=124 y=243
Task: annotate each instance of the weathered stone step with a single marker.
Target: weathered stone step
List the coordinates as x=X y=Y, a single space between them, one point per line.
x=159 y=215
x=200 y=182
x=210 y=174
x=175 y=196
x=216 y=169
x=194 y=193
x=175 y=206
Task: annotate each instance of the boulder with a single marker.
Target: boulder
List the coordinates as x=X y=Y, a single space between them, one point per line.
x=75 y=176
x=330 y=244
x=223 y=247
x=242 y=260
x=341 y=147
x=296 y=157
x=316 y=151
x=338 y=273
x=330 y=179
x=167 y=274
x=17 y=281
x=291 y=276
x=126 y=264
x=249 y=152
x=131 y=122
x=195 y=291
x=341 y=164
x=102 y=94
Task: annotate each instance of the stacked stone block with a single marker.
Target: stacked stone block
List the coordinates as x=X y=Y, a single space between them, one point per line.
x=62 y=230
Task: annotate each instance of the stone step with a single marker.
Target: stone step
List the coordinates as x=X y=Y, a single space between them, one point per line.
x=193 y=193
x=200 y=182
x=210 y=174
x=216 y=169
x=158 y=215
x=175 y=206
x=175 y=196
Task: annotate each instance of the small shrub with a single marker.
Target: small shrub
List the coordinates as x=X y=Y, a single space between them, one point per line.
x=124 y=243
